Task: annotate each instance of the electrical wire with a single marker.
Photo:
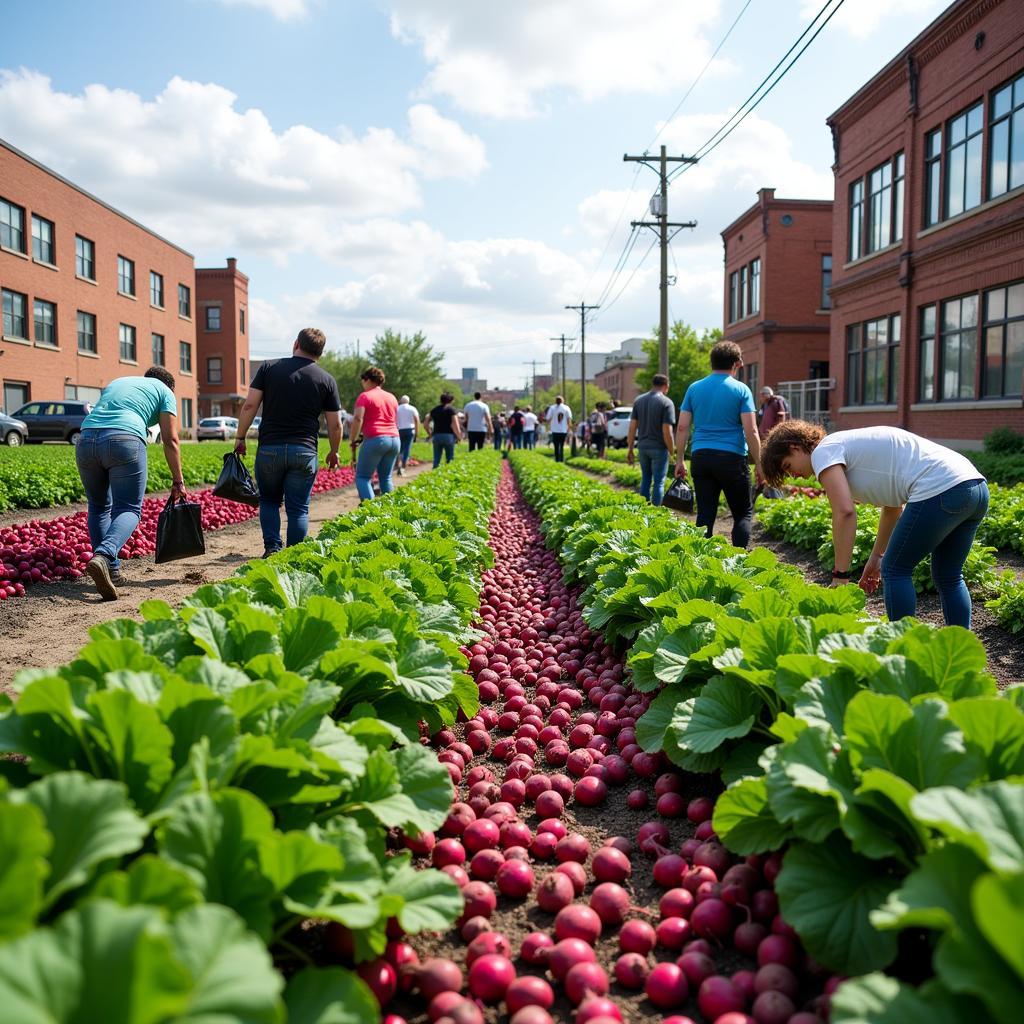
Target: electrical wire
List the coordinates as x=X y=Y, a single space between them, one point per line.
x=619 y=266
x=619 y=293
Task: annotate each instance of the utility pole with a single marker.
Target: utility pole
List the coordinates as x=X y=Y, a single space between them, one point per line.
x=563 y=339
x=659 y=208
x=532 y=363
x=582 y=307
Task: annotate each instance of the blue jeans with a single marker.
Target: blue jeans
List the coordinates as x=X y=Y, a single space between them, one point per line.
x=405 y=439
x=653 y=470
x=530 y=439
x=284 y=472
x=943 y=527
x=112 y=465
x=515 y=439
x=376 y=454
x=444 y=444
x=499 y=436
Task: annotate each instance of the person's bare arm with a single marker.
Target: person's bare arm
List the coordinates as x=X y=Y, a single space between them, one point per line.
x=872 y=574
x=749 y=421
x=844 y=515
x=416 y=426
x=355 y=427
x=334 y=435
x=456 y=428
x=172 y=453
x=250 y=407
x=666 y=436
x=682 y=436
x=630 y=439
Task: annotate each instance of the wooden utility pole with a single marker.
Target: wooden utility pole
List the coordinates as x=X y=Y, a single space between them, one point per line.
x=563 y=339
x=532 y=363
x=582 y=307
x=659 y=208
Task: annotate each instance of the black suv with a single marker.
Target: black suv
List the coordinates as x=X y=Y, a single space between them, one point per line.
x=53 y=421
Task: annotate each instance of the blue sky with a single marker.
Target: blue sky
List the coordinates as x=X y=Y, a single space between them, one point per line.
x=453 y=166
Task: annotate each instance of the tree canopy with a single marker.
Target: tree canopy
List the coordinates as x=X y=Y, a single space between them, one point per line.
x=688 y=358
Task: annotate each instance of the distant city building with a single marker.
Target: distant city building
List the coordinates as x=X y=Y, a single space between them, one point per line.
x=618 y=377
x=469 y=382
x=595 y=364
x=505 y=397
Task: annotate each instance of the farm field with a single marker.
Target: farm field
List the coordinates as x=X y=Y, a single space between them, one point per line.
x=638 y=774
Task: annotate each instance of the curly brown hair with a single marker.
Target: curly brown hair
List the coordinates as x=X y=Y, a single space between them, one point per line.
x=775 y=447
x=374 y=374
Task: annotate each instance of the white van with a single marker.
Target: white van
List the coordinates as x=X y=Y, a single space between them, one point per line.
x=618 y=425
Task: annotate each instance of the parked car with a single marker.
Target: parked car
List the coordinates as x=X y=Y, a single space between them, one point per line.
x=12 y=432
x=618 y=425
x=254 y=430
x=53 y=421
x=216 y=428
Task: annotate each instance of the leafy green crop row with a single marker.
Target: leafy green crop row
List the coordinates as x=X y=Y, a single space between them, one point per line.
x=192 y=788
x=879 y=755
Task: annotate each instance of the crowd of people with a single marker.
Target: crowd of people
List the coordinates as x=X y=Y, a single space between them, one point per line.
x=932 y=499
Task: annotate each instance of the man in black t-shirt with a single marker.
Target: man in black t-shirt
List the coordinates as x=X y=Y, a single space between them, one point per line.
x=516 y=421
x=294 y=392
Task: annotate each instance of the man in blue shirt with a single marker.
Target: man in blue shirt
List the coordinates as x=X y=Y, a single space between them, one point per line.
x=721 y=410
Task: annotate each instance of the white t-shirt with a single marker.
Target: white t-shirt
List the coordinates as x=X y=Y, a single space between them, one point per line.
x=476 y=416
x=886 y=466
x=406 y=415
x=559 y=416
x=530 y=421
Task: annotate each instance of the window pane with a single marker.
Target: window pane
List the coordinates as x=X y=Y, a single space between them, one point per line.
x=1001 y=101
x=1014 y=358
x=974 y=119
x=934 y=193
x=968 y=362
x=969 y=311
x=1015 y=302
x=993 y=369
x=928 y=321
x=995 y=304
x=957 y=130
x=955 y=171
x=999 y=159
x=934 y=144
x=1017 y=150
x=927 y=373
x=972 y=186
x=950 y=365
x=851 y=380
x=951 y=315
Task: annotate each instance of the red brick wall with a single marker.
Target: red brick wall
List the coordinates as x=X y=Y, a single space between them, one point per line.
x=966 y=53
x=47 y=370
x=620 y=382
x=228 y=289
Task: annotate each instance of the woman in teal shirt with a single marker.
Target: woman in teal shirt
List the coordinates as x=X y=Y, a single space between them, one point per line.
x=112 y=463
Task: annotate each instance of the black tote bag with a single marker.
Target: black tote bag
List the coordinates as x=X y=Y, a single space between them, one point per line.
x=679 y=496
x=235 y=482
x=179 y=531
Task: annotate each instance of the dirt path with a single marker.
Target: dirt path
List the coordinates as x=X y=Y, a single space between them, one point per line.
x=51 y=622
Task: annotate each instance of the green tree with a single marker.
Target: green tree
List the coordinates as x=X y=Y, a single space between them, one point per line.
x=345 y=367
x=688 y=358
x=412 y=367
x=572 y=397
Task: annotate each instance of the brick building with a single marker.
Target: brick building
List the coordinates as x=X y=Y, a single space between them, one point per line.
x=778 y=266
x=222 y=339
x=618 y=377
x=87 y=293
x=927 y=325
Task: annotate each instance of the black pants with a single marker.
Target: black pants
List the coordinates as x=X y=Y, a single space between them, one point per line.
x=558 y=440
x=714 y=472
x=599 y=441
x=476 y=439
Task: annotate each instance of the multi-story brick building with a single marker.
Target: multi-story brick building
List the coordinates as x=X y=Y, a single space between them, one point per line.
x=88 y=294
x=222 y=337
x=778 y=268
x=618 y=377
x=927 y=325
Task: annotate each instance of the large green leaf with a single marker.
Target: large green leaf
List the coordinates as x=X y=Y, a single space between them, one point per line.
x=431 y=900
x=879 y=999
x=744 y=820
x=725 y=709
x=998 y=905
x=329 y=995
x=150 y=881
x=655 y=721
x=827 y=893
x=423 y=672
x=24 y=845
x=672 y=657
x=995 y=727
x=310 y=631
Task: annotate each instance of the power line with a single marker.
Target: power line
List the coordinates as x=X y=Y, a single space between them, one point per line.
x=634 y=234
x=618 y=295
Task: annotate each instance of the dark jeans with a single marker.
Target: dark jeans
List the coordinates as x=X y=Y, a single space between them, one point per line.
x=405 y=438
x=653 y=470
x=476 y=439
x=717 y=471
x=112 y=465
x=599 y=441
x=530 y=439
x=558 y=440
x=443 y=444
x=943 y=527
x=499 y=436
x=284 y=472
x=516 y=439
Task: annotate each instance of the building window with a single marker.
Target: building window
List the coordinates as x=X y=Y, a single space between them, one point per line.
x=214 y=370
x=899 y=184
x=959 y=348
x=1003 y=355
x=185 y=357
x=44 y=315
x=85 y=258
x=963 y=161
x=872 y=361
x=12 y=226
x=826 y=281
x=1006 y=138
x=241 y=322
x=926 y=356
x=125 y=275
x=156 y=289
x=86 y=332
x=755 y=287
x=879 y=231
x=158 y=350
x=752 y=377
x=15 y=307
x=184 y=300
x=126 y=337
x=856 y=219
x=933 y=177
x=241 y=371
x=734 y=296
x=213 y=318
x=744 y=292
x=186 y=413
x=42 y=240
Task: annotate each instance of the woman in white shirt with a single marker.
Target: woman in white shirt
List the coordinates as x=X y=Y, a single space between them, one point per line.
x=932 y=500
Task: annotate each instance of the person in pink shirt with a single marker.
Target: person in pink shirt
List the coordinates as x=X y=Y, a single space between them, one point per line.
x=376 y=418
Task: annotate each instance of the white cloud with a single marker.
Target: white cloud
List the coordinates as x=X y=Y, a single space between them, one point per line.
x=283 y=10
x=195 y=167
x=501 y=59
x=861 y=18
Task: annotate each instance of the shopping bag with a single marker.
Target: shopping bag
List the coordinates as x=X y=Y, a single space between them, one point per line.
x=768 y=493
x=179 y=531
x=679 y=496
x=235 y=482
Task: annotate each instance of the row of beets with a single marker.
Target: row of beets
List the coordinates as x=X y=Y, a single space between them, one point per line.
x=537 y=668
x=42 y=551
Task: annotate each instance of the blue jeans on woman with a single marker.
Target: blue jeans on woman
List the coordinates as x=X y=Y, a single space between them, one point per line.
x=405 y=437
x=376 y=455
x=653 y=470
x=943 y=527
x=444 y=444
x=112 y=464
x=284 y=472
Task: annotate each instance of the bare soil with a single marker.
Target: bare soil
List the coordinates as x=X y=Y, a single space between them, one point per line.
x=51 y=622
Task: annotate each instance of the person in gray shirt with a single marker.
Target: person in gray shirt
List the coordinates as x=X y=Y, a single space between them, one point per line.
x=650 y=429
